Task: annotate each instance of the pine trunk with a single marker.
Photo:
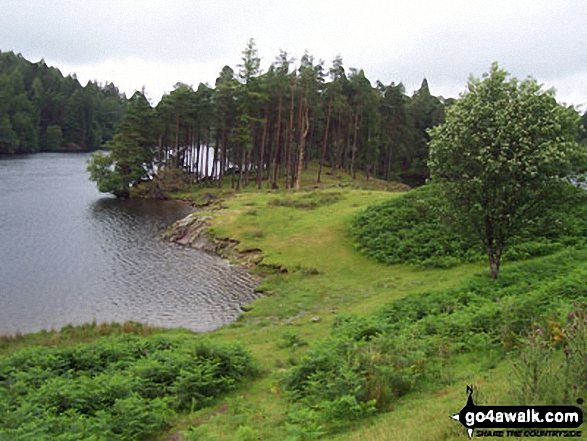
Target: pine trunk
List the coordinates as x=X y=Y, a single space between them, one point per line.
x=290 y=135
x=262 y=150
x=305 y=128
x=277 y=141
x=325 y=141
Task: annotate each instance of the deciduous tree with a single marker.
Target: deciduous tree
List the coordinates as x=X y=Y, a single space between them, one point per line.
x=505 y=147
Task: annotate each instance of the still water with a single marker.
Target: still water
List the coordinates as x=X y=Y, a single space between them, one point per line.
x=70 y=255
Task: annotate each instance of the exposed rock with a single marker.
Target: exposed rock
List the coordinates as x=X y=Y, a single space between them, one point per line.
x=192 y=231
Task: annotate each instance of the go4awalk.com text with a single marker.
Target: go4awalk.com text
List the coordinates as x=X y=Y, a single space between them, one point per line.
x=520 y=421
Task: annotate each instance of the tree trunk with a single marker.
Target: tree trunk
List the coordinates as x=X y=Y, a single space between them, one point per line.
x=247 y=159
x=223 y=159
x=310 y=143
x=305 y=127
x=354 y=151
x=207 y=157
x=494 y=260
x=277 y=141
x=262 y=150
x=215 y=158
x=177 y=142
x=160 y=152
x=325 y=141
x=290 y=135
x=197 y=160
x=242 y=166
x=271 y=147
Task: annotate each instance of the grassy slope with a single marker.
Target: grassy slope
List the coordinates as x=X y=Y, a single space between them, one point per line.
x=310 y=241
x=327 y=276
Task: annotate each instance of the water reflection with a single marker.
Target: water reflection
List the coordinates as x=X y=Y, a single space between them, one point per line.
x=70 y=255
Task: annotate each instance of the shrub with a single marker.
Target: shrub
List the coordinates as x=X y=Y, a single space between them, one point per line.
x=123 y=387
x=367 y=362
x=550 y=367
x=410 y=229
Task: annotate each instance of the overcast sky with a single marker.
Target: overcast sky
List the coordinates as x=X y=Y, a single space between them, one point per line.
x=155 y=44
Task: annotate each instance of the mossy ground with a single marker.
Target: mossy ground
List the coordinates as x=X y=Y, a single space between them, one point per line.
x=306 y=233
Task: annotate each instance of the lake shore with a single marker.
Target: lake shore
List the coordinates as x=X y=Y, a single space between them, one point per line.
x=327 y=281
x=193 y=231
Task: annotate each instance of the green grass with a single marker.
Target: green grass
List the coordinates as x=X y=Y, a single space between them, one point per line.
x=306 y=233
x=326 y=277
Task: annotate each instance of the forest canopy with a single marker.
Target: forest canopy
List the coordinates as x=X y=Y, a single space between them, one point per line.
x=260 y=126
x=41 y=110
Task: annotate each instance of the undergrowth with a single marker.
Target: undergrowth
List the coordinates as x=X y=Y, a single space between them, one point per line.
x=117 y=388
x=307 y=200
x=367 y=362
x=411 y=229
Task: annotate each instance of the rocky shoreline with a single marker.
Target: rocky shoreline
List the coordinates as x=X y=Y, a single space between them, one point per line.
x=193 y=232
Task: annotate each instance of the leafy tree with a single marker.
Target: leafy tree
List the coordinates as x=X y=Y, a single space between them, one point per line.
x=395 y=138
x=583 y=130
x=426 y=111
x=337 y=108
x=132 y=151
x=250 y=101
x=500 y=156
x=225 y=110
x=280 y=86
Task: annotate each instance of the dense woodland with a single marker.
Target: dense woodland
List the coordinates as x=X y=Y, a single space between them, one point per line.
x=258 y=127
x=255 y=127
x=252 y=127
x=41 y=110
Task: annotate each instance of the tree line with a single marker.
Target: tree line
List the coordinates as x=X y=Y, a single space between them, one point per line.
x=264 y=128
x=41 y=110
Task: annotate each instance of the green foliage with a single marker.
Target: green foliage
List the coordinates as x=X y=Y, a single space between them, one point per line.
x=40 y=110
x=500 y=156
x=347 y=376
x=410 y=229
x=53 y=138
x=8 y=138
x=367 y=362
x=166 y=181
x=122 y=387
x=303 y=424
x=101 y=171
x=307 y=200
x=550 y=368
x=131 y=157
x=291 y=340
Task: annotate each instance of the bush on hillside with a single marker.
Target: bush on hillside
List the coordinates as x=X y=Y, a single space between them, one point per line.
x=410 y=229
x=123 y=387
x=367 y=362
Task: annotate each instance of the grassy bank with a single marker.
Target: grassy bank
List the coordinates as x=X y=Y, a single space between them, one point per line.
x=307 y=233
x=314 y=275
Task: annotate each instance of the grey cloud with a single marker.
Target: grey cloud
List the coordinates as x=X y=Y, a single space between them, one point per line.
x=81 y=32
x=391 y=40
